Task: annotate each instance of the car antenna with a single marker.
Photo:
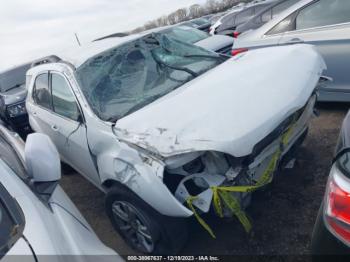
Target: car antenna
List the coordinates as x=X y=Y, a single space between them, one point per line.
x=76 y=37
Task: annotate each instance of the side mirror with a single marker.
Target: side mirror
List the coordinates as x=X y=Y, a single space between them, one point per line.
x=43 y=163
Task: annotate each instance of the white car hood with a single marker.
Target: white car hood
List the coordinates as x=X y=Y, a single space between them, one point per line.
x=231 y=107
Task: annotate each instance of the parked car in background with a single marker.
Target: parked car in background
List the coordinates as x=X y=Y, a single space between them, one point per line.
x=150 y=120
x=198 y=23
x=36 y=217
x=218 y=22
x=12 y=99
x=323 y=23
x=228 y=23
x=264 y=16
x=331 y=234
x=217 y=43
x=216 y=17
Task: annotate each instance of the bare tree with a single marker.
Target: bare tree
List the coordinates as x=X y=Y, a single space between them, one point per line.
x=181 y=14
x=194 y=11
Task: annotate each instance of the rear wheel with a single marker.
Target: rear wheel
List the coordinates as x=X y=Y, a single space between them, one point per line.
x=144 y=229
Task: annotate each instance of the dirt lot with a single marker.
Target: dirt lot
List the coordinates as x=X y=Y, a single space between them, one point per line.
x=283 y=216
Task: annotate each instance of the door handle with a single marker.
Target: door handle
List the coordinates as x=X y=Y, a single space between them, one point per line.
x=54 y=128
x=34 y=113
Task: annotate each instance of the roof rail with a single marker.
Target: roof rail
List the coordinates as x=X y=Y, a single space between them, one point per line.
x=46 y=60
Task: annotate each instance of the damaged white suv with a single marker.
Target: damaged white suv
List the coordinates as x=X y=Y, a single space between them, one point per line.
x=168 y=129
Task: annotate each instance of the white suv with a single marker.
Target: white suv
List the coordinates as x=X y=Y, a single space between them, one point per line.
x=157 y=124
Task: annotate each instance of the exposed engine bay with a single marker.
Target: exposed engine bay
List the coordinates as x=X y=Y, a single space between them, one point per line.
x=205 y=170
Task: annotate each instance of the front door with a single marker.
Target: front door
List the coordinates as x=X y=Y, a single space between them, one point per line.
x=63 y=122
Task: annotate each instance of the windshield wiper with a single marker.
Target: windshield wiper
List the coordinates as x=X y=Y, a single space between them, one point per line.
x=178 y=68
x=13 y=87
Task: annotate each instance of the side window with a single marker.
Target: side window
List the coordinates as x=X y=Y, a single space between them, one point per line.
x=63 y=99
x=41 y=91
x=284 y=26
x=266 y=16
x=244 y=15
x=323 y=13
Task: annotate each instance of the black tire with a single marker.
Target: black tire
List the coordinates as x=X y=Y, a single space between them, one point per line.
x=168 y=234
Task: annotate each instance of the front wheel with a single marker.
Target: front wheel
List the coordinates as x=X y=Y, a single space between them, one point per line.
x=143 y=228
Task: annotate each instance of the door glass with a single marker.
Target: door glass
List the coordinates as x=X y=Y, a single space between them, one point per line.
x=41 y=93
x=323 y=13
x=63 y=100
x=283 y=26
x=244 y=16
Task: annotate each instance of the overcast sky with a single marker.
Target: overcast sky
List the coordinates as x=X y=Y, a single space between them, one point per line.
x=35 y=28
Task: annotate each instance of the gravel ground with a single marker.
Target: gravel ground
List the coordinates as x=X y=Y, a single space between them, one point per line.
x=283 y=216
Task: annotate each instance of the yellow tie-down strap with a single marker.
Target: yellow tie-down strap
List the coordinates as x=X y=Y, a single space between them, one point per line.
x=222 y=194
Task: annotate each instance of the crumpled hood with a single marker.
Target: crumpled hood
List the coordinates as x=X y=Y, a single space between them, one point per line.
x=231 y=107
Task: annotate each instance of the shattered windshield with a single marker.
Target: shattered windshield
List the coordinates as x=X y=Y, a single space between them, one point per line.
x=124 y=79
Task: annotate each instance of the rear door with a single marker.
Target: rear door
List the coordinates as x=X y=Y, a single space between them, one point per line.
x=326 y=24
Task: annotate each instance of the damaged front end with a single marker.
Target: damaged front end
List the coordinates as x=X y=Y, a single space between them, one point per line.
x=203 y=179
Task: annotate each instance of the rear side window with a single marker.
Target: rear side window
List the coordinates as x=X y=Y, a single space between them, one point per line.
x=41 y=92
x=244 y=15
x=63 y=99
x=323 y=13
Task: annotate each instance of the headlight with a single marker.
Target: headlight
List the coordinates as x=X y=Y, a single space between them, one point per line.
x=17 y=110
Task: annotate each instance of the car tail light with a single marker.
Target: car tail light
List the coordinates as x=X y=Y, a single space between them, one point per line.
x=236 y=34
x=337 y=205
x=235 y=52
